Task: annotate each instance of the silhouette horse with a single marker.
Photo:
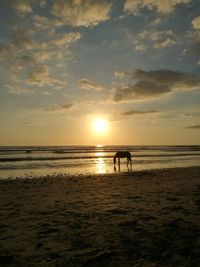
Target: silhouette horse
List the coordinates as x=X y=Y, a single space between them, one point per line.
x=122 y=154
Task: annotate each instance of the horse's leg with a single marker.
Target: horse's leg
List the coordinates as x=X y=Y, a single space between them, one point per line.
x=128 y=160
x=115 y=170
x=118 y=160
x=130 y=163
x=127 y=164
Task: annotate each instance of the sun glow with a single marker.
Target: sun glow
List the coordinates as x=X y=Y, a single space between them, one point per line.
x=100 y=125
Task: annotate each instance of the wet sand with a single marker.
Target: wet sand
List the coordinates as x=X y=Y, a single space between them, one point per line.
x=143 y=218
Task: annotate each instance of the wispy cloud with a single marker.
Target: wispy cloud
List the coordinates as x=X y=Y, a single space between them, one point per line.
x=40 y=76
x=31 y=51
x=24 y=42
x=194 y=37
x=25 y=6
x=196 y=23
x=167 y=6
x=66 y=39
x=46 y=93
x=59 y=108
x=45 y=23
x=148 y=84
x=5 y=50
x=122 y=74
x=21 y=6
x=15 y=89
x=124 y=115
x=89 y=85
x=138 y=112
x=153 y=38
x=193 y=126
x=82 y=13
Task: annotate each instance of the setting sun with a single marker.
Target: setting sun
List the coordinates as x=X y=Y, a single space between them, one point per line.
x=100 y=125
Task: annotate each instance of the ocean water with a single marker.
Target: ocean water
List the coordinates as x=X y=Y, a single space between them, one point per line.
x=36 y=161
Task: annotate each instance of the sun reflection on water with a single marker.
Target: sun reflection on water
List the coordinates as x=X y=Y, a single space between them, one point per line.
x=99 y=154
x=100 y=163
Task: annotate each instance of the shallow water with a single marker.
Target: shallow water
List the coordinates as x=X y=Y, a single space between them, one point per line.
x=39 y=161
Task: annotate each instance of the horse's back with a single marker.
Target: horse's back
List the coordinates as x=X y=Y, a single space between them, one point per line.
x=123 y=154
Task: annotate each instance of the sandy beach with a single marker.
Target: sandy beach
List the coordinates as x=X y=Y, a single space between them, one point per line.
x=143 y=218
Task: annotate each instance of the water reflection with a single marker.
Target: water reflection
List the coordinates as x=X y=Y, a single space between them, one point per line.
x=99 y=154
x=117 y=168
x=100 y=163
x=100 y=166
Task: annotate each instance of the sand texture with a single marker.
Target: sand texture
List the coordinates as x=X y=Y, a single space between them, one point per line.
x=144 y=218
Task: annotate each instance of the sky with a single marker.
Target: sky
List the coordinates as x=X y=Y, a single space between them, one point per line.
x=66 y=63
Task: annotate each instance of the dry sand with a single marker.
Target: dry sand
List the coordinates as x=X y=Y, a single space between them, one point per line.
x=146 y=218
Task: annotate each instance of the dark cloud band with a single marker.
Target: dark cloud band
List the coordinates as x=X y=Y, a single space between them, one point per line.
x=147 y=84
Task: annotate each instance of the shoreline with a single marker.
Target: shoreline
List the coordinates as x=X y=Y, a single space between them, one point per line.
x=139 y=218
x=59 y=176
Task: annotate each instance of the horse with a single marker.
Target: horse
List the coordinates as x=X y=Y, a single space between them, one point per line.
x=122 y=154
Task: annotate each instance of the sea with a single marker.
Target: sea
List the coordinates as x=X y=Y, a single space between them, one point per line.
x=38 y=161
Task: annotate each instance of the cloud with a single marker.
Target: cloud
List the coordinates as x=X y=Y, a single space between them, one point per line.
x=139 y=46
x=138 y=112
x=15 y=89
x=41 y=56
x=196 y=23
x=191 y=114
x=25 y=6
x=5 y=50
x=166 y=43
x=117 y=116
x=88 y=85
x=22 y=37
x=24 y=42
x=121 y=74
x=82 y=12
x=58 y=46
x=156 y=22
x=32 y=41
x=58 y=108
x=194 y=42
x=27 y=59
x=46 y=93
x=42 y=3
x=193 y=126
x=40 y=76
x=21 y=6
x=148 y=84
x=152 y=38
x=194 y=37
x=167 y=6
x=140 y=90
x=45 y=23
x=66 y=39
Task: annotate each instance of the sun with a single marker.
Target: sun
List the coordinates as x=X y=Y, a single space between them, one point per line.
x=100 y=125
